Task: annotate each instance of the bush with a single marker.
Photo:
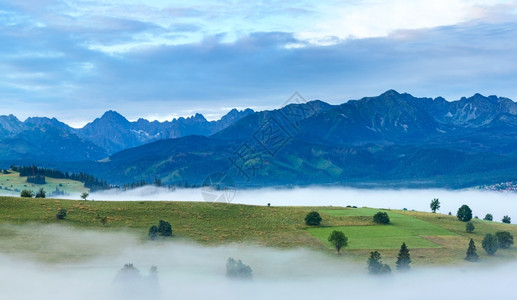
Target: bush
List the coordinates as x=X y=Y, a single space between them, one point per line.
x=507 y=220
x=41 y=193
x=153 y=233
x=381 y=218
x=504 y=238
x=61 y=214
x=488 y=217
x=164 y=228
x=313 y=218
x=464 y=213
x=27 y=194
x=469 y=227
x=236 y=269
x=490 y=244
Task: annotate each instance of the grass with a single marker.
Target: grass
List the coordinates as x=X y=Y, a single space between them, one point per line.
x=12 y=184
x=402 y=228
x=431 y=238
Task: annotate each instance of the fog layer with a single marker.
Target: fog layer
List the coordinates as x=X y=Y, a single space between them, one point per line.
x=191 y=271
x=481 y=202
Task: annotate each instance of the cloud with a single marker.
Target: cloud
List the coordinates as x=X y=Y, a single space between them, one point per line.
x=93 y=56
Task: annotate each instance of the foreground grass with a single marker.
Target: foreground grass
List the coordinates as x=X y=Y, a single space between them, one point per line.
x=432 y=238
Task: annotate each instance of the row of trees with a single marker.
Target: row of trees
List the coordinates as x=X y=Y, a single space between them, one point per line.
x=491 y=243
x=89 y=181
x=465 y=213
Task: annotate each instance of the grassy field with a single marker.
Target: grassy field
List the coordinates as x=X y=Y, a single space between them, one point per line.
x=402 y=228
x=432 y=238
x=12 y=184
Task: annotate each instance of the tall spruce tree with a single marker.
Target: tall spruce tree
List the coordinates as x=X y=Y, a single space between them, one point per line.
x=472 y=252
x=404 y=258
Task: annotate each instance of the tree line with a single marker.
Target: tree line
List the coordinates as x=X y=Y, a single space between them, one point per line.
x=38 y=174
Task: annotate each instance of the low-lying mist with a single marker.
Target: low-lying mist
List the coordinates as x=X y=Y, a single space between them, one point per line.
x=192 y=271
x=481 y=202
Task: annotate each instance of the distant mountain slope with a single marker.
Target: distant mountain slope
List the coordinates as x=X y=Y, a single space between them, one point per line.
x=394 y=139
x=389 y=138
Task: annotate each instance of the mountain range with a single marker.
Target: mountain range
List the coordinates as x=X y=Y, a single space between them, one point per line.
x=392 y=139
x=45 y=139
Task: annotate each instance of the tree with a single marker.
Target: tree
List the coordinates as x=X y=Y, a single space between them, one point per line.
x=490 y=244
x=41 y=193
x=27 y=194
x=507 y=220
x=381 y=218
x=61 y=214
x=469 y=227
x=504 y=238
x=85 y=195
x=313 y=218
x=403 y=258
x=472 y=252
x=236 y=269
x=153 y=232
x=338 y=239
x=164 y=228
x=488 y=217
x=464 y=213
x=435 y=205
x=375 y=265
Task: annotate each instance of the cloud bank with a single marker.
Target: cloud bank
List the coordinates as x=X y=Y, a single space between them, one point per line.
x=481 y=202
x=198 y=272
x=76 y=59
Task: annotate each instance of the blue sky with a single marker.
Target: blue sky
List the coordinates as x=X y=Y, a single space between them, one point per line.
x=164 y=59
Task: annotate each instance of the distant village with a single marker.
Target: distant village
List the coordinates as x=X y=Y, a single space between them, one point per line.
x=510 y=186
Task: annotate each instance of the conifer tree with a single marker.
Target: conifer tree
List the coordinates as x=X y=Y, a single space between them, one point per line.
x=472 y=252
x=404 y=258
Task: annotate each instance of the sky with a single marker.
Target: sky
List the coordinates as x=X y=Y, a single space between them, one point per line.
x=159 y=59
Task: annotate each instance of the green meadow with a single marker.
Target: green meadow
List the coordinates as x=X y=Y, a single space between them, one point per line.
x=402 y=228
x=29 y=226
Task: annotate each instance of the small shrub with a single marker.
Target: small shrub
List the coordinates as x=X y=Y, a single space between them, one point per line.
x=61 y=214
x=469 y=227
x=313 y=218
x=41 y=193
x=236 y=269
x=153 y=232
x=164 y=228
x=381 y=218
x=488 y=217
x=27 y=194
x=507 y=220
